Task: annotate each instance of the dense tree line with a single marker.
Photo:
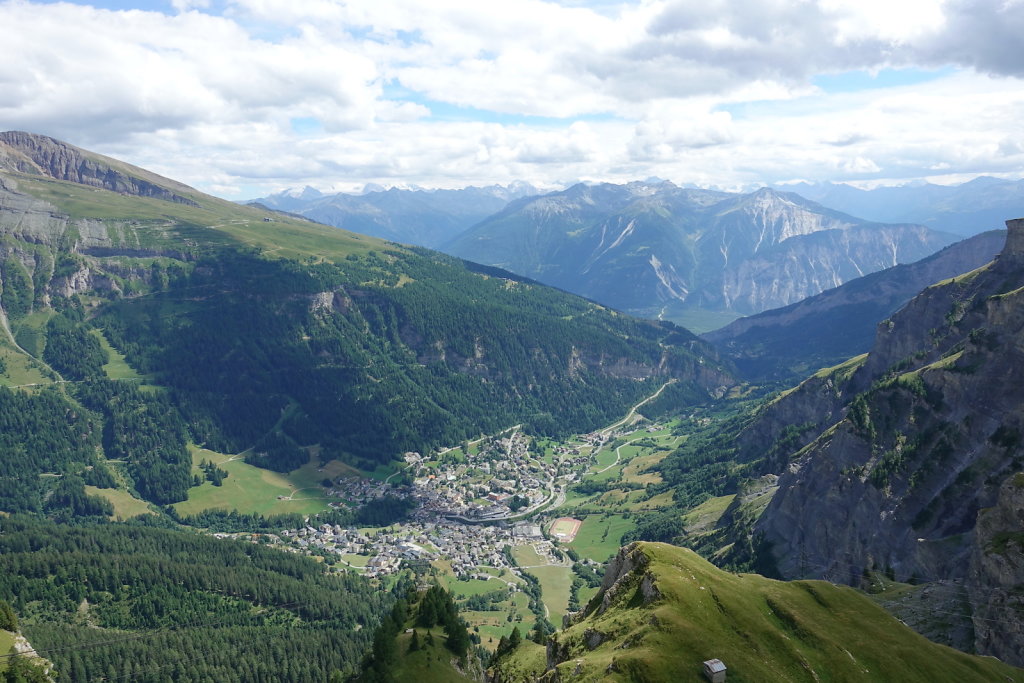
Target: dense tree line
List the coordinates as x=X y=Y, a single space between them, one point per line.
x=72 y=350
x=22 y=669
x=434 y=607
x=232 y=521
x=383 y=511
x=16 y=294
x=145 y=430
x=41 y=433
x=383 y=368
x=174 y=605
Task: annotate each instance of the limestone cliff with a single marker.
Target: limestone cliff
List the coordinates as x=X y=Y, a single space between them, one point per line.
x=61 y=252
x=905 y=467
x=42 y=155
x=828 y=328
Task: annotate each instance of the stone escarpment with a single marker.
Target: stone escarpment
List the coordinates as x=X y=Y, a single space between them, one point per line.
x=996 y=567
x=830 y=327
x=53 y=253
x=914 y=469
x=42 y=155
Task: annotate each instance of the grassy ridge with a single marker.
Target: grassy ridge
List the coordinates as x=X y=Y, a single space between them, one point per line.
x=763 y=630
x=214 y=222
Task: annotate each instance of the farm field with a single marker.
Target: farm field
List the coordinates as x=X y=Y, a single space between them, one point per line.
x=555 y=584
x=490 y=624
x=604 y=458
x=634 y=470
x=117 y=367
x=555 y=580
x=21 y=369
x=355 y=560
x=6 y=643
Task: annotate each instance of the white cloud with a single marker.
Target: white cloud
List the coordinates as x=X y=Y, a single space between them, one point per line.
x=710 y=91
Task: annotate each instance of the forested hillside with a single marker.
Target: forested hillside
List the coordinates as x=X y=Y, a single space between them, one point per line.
x=113 y=602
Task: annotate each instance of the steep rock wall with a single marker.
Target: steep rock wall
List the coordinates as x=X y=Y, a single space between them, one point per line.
x=926 y=439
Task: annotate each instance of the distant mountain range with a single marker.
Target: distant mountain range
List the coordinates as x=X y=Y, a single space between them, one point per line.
x=697 y=257
x=425 y=218
x=658 y=250
x=826 y=329
x=968 y=209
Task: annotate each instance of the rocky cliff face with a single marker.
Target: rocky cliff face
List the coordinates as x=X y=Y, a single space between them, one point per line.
x=994 y=578
x=911 y=466
x=67 y=254
x=38 y=154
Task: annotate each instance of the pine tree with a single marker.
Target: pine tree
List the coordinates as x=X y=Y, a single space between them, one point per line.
x=8 y=619
x=414 y=645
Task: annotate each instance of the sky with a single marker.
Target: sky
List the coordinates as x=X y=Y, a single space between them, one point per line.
x=243 y=98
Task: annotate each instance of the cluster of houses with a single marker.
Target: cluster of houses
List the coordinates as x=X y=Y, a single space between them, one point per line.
x=486 y=484
x=467 y=547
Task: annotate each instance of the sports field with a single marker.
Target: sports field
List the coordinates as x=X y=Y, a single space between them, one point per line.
x=564 y=529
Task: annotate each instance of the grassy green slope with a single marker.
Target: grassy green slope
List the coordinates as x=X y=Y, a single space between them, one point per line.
x=763 y=630
x=213 y=222
x=430 y=663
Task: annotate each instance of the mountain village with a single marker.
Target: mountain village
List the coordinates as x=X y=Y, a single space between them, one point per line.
x=464 y=499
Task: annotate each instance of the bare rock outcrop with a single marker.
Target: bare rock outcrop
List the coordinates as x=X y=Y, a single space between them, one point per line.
x=42 y=155
x=908 y=473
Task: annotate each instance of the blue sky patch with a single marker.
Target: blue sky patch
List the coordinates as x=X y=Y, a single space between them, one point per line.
x=856 y=81
x=306 y=125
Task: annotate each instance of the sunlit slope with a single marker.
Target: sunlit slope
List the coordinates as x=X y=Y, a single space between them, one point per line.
x=663 y=610
x=211 y=222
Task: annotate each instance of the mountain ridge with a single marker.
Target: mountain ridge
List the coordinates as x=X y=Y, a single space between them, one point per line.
x=651 y=249
x=282 y=338
x=966 y=209
x=840 y=323
x=663 y=610
x=421 y=217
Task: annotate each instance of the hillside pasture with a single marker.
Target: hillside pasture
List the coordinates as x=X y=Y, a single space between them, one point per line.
x=117 y=367
x=600 y=536
x=250 y=489
x=125 y=505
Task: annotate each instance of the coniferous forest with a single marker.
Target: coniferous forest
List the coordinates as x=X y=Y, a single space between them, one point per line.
x=118 y=601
